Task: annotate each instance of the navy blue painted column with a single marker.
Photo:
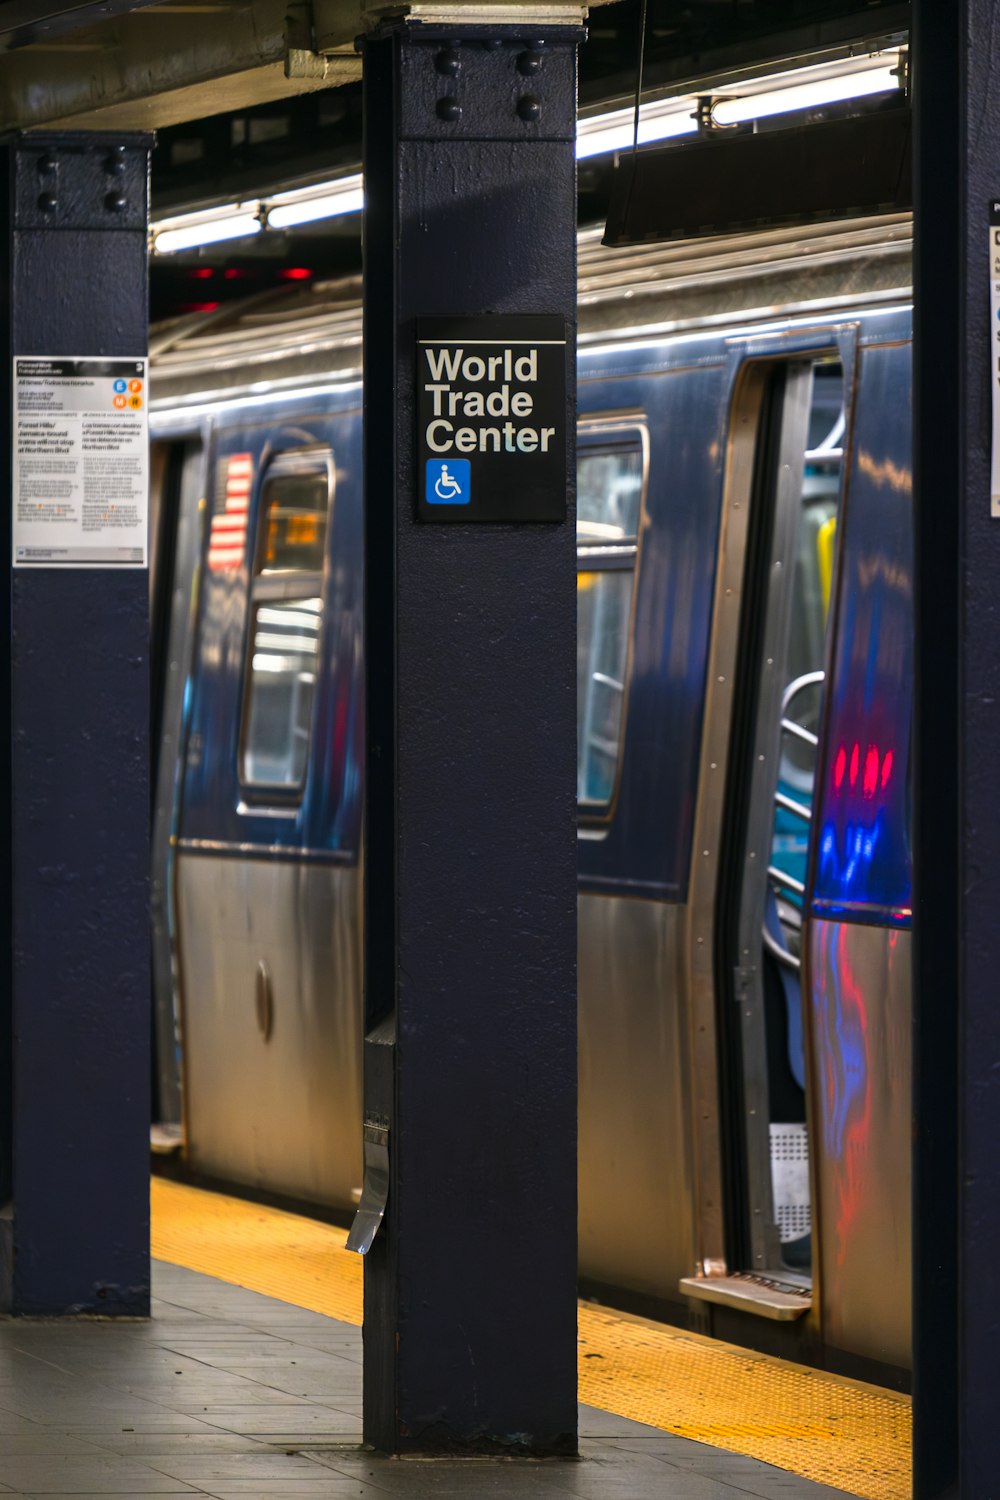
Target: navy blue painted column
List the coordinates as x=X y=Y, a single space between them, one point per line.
x=956 y=801
x=74 y=1016
x=470 y=1287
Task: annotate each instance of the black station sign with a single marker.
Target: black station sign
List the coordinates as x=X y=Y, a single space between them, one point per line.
x=491 y=413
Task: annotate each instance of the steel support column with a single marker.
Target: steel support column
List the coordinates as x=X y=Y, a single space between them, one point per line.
x=956 y=805
x=470 y=1287
x=74 y=1002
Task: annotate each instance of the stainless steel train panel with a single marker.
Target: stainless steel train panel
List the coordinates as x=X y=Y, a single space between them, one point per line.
x=636 y=1195
x=860 y=1001
x=272 y=1053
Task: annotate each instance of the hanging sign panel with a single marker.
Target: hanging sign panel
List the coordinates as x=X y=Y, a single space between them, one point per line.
x=995 y=355
x=81 y=463
x=491 y=414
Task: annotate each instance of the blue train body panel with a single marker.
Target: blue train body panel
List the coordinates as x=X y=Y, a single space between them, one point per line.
x=680 y=391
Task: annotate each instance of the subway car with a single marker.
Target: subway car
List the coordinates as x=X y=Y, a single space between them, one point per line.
x=744 y=678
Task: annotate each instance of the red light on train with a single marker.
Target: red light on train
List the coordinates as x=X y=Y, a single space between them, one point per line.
x=201 y=273
x=295 y=273
x=875 y=774
x=839 y=767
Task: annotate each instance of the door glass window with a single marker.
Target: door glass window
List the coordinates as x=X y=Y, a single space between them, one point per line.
x=283 y=665
x=814 y=546
x=286 y=618
x=293 y=534
x=609 y=502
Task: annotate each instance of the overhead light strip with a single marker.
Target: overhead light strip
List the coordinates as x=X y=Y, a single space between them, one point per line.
x=882 y=78
x=734 y=104
x=597 y=135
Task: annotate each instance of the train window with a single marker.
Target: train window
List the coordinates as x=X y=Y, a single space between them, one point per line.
x=814 y=545
x=609 y=501
x=608 y=494
x=283 y=665
x=293 y=533
x=286 y=618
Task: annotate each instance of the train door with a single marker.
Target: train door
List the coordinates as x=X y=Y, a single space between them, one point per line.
x=176 y=487
x=764 y=830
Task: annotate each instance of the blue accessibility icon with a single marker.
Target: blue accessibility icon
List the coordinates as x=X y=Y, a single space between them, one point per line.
x=449 y=481
x=121 y=385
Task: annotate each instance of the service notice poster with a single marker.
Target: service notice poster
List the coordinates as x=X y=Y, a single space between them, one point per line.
x=81 y=460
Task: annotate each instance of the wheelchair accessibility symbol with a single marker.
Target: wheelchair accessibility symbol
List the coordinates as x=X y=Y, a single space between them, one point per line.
x=449 y=481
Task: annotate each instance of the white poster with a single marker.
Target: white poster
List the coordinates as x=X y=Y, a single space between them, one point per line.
x=81 y=463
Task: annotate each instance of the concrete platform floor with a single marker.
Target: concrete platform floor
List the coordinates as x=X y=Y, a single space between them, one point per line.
x=231 y=1394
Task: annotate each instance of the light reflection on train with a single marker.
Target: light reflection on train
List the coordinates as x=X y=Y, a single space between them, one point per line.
x=744 y=686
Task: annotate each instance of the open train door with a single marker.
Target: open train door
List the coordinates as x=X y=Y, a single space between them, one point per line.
x=749 y=906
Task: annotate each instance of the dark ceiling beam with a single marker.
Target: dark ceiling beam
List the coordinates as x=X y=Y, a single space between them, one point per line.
x=25 y=21
x=169 y=63
x=184 y=59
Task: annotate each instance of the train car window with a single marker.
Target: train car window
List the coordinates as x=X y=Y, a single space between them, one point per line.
x=815 y=536
x=286 y=619
x=283 y=664
x=610 y=476
x=293 y=534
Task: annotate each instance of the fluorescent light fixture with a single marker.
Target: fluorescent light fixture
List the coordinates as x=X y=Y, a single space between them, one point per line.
x=662 y=121
x=794 y=93
x=597 y=135
x=324 y=201
x=190 y=230
x=753 y=99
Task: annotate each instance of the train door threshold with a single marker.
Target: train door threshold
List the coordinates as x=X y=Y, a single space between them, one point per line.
x=784 y=1299
x=165 y=1139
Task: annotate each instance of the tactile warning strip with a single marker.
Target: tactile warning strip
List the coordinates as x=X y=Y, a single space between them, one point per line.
x=851 y=1436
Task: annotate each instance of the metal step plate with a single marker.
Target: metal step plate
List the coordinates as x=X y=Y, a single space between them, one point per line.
x=784 y=1297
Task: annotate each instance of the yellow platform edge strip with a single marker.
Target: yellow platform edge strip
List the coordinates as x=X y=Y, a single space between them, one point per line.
x=838 y=1432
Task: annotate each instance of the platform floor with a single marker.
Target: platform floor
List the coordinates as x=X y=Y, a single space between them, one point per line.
x=236 y=1395
x=852 y=1437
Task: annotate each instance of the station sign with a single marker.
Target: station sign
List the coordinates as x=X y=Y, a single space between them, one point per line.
x=491 y=415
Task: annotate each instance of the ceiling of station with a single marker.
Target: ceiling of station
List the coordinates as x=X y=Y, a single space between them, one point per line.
x=252 y=96
x=114 y=64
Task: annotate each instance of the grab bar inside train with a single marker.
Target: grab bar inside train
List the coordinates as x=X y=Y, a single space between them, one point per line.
x=781 y=880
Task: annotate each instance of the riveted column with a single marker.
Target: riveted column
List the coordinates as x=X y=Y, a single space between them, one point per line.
x=74 y=1001
x=470 y=303
x=956 y=91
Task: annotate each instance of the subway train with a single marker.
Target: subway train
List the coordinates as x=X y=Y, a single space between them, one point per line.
x=744 y=679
